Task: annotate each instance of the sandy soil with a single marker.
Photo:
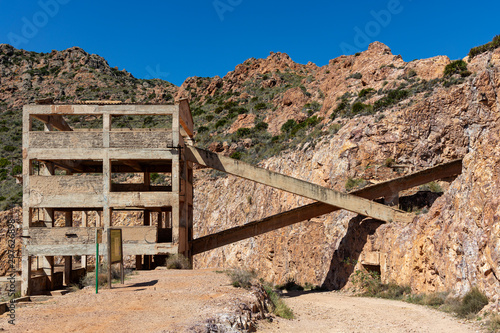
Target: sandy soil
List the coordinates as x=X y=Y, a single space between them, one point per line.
x=178 y=301
x=335 y=312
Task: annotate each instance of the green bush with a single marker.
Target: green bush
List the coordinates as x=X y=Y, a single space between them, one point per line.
x=341 y=109
x=243 y=132
x=236 y=155
x=366 y=92
x=359 y=107
x=4 y=162
x=9 y=148
x=494 y=323
x=287 y=127
x=455 y=67
x=261 y=126
x=220 y=123
x=313 y=106
x=17 y=170
x=356 y=76
x=486 y=47
x=392 y=97
x=202 y=129
x=260 y=106
x=472 y=303
x=280 y=307
x=177 y=261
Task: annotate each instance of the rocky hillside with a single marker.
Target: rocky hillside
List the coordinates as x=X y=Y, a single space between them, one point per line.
x=414 y=115
x=361 y=119
x=65 y=76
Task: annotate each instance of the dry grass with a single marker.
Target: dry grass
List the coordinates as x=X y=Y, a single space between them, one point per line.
x=177 y=261
x=241 y=278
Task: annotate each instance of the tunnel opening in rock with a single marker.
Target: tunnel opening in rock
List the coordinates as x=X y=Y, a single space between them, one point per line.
x=419 y=202
x=372 y=268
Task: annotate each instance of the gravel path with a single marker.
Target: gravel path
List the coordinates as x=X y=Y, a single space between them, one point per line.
x=335 y=312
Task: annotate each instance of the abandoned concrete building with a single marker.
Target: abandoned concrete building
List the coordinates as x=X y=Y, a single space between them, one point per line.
x=75 y=180
x=77 y=170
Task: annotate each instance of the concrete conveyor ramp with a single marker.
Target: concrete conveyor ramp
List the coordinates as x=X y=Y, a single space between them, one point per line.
x=384 y=189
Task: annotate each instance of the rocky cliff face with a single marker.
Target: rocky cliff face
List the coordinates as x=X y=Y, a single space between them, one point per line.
x=451 y=247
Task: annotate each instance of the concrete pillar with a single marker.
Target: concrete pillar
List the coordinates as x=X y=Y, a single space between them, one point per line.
x=68 y=260
x=147 y=221
x=48 y=269
x=26 y=274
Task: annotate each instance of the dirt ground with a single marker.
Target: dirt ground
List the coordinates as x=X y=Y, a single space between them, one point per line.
x=177 y=301
x=151 y=301
x=335 y=312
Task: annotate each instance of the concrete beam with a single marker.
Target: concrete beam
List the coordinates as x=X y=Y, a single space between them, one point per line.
x=89 y=249
x=316 y=209
x=300 y=187
x=56 y=121
x=120 y=109
x=185 y=118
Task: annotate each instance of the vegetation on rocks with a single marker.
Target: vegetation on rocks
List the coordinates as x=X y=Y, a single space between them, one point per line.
x=369 y=284
x=485 y=48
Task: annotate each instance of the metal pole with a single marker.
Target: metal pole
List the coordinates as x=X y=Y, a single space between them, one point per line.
x=96 y=260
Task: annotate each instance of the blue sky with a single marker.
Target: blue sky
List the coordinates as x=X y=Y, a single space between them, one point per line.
x=173 y=40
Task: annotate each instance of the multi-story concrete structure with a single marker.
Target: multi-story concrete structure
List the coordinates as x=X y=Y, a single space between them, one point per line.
x=68 y=170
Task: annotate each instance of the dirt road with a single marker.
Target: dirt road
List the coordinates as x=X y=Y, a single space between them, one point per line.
x=179 y=301
x=334 y=312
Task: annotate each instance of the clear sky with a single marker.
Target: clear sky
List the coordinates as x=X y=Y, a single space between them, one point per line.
x=173 y=40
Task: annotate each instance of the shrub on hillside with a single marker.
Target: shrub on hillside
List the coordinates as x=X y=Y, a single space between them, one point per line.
x=472 y=303
x=287 y=127
x=260 y=106
x=261 y=126
x=355 y=76
x=366 y=92
x=392 y=97
x=456 y=67
x=486 y=47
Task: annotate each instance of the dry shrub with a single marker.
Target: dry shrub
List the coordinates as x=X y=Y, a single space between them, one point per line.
x=241 y=278
x=177 y=261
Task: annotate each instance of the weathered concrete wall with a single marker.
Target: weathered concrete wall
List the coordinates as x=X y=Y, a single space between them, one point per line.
x=51 y=185
x=65 y=140
x=139 y=139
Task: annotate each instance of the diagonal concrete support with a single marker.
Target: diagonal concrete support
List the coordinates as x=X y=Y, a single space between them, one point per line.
x=316 y=209
x=286 y=183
